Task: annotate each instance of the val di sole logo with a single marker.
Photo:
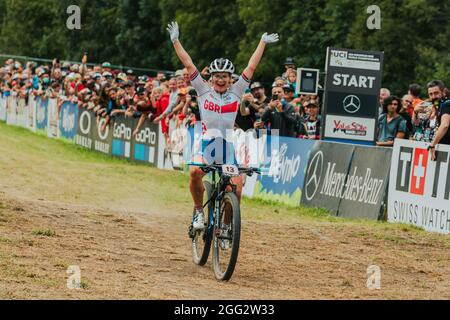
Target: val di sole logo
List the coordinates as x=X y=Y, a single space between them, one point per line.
x=313 y=176
x=351 y=104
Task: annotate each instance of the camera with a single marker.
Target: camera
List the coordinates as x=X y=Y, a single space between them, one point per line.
x=274 y=97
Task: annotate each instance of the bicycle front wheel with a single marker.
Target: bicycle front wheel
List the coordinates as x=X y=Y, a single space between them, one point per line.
x=227 y=239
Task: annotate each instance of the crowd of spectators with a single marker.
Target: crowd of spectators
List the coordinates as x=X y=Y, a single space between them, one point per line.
x=110 y=93
x=410 y=117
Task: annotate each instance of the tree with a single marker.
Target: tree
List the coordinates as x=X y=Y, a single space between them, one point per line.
x=209 y=29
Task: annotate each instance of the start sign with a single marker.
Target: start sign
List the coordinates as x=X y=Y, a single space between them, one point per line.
x=352 y=87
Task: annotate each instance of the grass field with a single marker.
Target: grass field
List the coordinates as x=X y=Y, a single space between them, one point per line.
x=125 y=226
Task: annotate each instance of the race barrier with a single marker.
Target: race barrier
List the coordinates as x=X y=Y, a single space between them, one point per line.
x=350 y=181
x=3 y=103
x=419 y=192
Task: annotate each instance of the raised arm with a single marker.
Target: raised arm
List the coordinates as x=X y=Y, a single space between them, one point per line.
x=184 y=57
x=257 y=55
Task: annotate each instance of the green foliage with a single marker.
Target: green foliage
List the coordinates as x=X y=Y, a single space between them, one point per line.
x=414 y=33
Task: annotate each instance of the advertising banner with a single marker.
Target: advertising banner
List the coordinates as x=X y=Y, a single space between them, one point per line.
x=52 y=118
x=122 y=137
x=249 y=149
x=21 y=113
x=419 y=189
x=146 y=143
x=102 y=136
x=3 y=101
x=11 y=111
x=68 y=121
x=284 y=181
x=41 y=114
x=366 y=183
x=326 y=175
x=31 y=117
x=86 y=123
x=352 y=87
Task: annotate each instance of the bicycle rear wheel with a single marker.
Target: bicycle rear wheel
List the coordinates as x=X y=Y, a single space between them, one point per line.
x=201 y=242
x=226 y=244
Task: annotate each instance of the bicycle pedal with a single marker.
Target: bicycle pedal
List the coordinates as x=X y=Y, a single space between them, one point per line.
x=191 y=232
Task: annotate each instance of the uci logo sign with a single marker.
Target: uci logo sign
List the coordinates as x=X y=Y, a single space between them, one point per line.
x=339 y=54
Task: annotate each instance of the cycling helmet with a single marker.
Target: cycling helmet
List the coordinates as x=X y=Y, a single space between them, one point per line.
x=221 y=65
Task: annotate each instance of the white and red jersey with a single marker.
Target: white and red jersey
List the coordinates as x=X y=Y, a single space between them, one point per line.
x=218 y=111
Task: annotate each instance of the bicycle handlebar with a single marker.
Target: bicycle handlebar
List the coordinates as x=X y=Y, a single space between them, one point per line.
x=218 y=167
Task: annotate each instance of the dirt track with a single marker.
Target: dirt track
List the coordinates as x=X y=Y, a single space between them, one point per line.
x=145 y=254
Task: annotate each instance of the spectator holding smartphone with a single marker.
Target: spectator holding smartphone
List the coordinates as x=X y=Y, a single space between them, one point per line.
x=280 y=114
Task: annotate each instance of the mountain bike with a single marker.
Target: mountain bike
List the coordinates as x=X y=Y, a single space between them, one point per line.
x=223 y=220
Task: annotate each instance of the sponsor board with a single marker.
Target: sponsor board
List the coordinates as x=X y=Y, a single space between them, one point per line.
x=102 y=136
x=352 y=88
x=355 y=60
x=366 y=183
x=21 y=113
x=52 y=118
x=419 y=189
x=344 y=127
x=122 y=131
x=249 y=149
x=145 y=143
x=86 y=121
x=41 y=114
x=285 y=178
x=31 y=117
x=68 y=121
x=3 y=101
x=326 y=175
x=174 y=147
x=11 y=110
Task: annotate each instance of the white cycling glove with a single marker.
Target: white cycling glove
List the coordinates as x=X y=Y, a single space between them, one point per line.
x=270 y=38
x=174 y=31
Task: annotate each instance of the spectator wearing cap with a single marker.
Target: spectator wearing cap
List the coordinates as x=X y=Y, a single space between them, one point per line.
x=106 y=67
x=130 y=75
x=280 y=115
x=414 y=91
x=309 y=127
x=405 y=113
x=289 y=64
x=289 y=91
x=252 y=107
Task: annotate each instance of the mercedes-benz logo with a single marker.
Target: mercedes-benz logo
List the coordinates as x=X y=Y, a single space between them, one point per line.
x=352 y=104
x=313 y=175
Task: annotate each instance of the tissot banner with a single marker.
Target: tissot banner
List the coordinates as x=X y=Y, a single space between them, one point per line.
x=352 y=87
x=419 y=188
